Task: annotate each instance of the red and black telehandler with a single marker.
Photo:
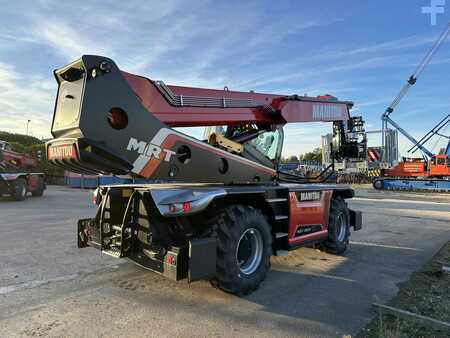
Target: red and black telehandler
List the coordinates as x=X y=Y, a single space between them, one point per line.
x=216 y=209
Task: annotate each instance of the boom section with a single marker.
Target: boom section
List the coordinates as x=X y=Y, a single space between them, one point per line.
x=111 y=122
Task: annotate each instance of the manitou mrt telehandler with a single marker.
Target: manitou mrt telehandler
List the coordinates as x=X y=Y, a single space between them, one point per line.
x=220 y=208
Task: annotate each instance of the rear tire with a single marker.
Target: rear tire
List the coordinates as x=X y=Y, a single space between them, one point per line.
x=244 y=247
x=39 y=191
x=20 y=190
x=338 y=227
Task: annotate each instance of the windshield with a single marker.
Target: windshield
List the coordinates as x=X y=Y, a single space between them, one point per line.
x=268 y=144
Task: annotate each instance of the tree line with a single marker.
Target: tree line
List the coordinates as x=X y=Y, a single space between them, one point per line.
x=314 y=155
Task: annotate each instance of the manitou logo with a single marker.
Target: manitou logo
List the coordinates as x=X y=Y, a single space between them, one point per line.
x=310 y=196
x=326 y=112
x=150 y=150
x=61 y=151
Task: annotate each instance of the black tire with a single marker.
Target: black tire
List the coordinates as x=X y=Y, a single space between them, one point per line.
x=338 y=227
x=378 y=184
x=20 y=189
x=39 y=191
x=241 y=226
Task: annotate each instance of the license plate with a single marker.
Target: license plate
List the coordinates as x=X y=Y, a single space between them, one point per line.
x=61 y=151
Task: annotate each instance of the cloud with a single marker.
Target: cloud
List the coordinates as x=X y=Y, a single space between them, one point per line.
x=25 y=99
x=382 y=54
x=380 y=102
x=393 y=45
x=66 y=40
x=11 y=39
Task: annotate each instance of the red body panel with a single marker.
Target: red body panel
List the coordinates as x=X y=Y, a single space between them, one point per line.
x=438 y=166
x=308 y=213
x=304 y=110
x=409 y=168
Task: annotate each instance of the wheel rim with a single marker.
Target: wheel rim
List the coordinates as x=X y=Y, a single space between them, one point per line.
x=342 y=228
x=249 y=251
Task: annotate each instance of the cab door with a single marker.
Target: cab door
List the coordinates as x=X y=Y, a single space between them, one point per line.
x=439 y=166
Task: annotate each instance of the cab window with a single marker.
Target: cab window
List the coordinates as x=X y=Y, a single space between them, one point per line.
x=269 y=143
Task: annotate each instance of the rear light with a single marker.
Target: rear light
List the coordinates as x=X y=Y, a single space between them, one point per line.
x=96 y=196
x=180 y=208
x=171 y=260
x=186 y=206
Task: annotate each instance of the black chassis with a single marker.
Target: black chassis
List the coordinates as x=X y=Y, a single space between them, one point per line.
x=163 y=227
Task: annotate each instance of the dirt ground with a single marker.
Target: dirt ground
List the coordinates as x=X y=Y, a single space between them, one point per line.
x=427 y=293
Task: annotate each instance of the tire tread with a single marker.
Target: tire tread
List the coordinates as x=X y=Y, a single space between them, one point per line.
x=227 y=225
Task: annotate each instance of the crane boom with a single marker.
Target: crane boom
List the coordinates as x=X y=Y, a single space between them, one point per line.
x=418 y=71
x=434 y=131
x=189 y=107
x=110 y=121
x=386 y=120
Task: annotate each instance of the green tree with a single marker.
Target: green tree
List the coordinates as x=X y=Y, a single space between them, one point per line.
x=315 y=155
x=24 y=140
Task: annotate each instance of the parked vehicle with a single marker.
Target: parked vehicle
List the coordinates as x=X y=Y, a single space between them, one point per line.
x=17 y=174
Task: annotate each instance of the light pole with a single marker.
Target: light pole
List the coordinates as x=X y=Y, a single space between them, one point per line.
x=28 y=122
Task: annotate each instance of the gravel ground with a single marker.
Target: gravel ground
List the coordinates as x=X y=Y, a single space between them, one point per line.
x=49 y=287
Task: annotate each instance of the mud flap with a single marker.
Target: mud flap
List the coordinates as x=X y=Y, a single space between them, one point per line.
x=202 y=259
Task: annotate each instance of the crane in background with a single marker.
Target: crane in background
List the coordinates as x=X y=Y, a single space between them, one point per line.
x=431 y=171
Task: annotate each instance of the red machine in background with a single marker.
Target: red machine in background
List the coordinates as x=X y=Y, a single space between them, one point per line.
x=430 y=172
x=437 y=167
x=16 y=174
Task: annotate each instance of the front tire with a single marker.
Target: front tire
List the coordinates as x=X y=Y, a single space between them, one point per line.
x=244 y=247
x=20 y=190
x=338 y=227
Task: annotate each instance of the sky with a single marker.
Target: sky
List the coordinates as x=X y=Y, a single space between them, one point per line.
x=361 y=51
